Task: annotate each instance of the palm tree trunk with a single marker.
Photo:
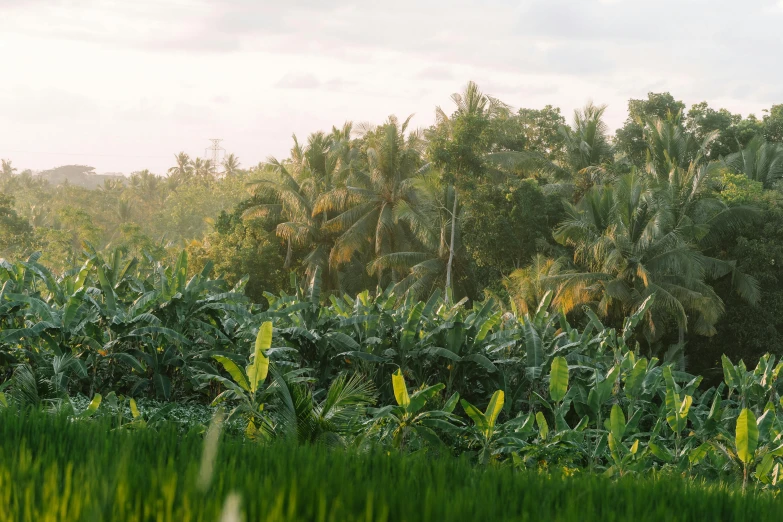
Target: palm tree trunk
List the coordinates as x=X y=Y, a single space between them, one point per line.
x=288 y=255
x=451 y=246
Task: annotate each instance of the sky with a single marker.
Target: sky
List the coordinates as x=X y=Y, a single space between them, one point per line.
x=124 y=85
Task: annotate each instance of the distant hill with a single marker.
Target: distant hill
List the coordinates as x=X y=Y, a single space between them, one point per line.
x=81 y=175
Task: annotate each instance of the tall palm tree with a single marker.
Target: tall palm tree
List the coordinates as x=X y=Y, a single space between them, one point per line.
x=183 y=170
x=471 y=102
x=6 y=169
x=231 y=165
x=640 y=236
x=670 y=147
x=425 y=267
x=760 y=161
x=148 y=187
x=312 y=173
x=587 y=140
x=377 y=195
x=202 y=169
x=589 y=151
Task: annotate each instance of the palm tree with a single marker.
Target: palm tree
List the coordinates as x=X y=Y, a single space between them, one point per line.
x=183 y=169
x=587 y=140
x=202 y=168
x=640 y=237
x=528 y=286
x=376 y=196
x=470 y=103
x=298 y=185
x=426 y=267
x=760 y=161
x=124 y=210
x=6 y=169
x=231 y=165
x=589 y=152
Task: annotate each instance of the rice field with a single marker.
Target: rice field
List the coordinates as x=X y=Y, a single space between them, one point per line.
x=55 y=469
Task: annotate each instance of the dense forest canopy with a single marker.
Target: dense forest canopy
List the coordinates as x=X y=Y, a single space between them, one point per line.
x=491 y=200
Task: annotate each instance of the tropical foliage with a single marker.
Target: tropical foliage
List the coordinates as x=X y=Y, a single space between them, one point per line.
x=487 y=201
x=530 y=391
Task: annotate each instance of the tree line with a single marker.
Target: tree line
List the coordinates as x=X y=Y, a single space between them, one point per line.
x=488 y=201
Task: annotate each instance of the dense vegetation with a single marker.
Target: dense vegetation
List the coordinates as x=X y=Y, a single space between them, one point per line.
x=682 y=202
x=501 y=287
x=358 y=372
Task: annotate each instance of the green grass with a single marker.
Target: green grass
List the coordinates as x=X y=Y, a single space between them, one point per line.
x=52 y=469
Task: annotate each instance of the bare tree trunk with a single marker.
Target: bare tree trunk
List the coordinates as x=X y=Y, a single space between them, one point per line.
x=451 y=246
x=288 y=255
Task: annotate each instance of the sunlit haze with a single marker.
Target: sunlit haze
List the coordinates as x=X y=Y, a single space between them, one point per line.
x=123 y=86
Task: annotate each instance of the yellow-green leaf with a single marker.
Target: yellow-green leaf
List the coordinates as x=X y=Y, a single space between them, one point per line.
x=558 y=379
x=614 y=448
x=494 y=407
x=3 y=400
x=400 y=390
x=93 y=407
x=233 y=370
x=617 y=422
x=475 y=414
x=747 y=436
x=635 y=447
x=257 y=372
x=543 y=427
x=134 y=409
x=685 y=407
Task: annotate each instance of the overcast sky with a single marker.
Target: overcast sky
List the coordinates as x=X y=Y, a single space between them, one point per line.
x=123 y=85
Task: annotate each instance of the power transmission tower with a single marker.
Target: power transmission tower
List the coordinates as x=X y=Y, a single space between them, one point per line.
x=216 y=153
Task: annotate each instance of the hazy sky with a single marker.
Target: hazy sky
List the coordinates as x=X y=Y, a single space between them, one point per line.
x=124 y=84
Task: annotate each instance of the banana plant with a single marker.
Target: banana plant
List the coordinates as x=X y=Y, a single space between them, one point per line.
x=675 y=409
x=753 y=388
x=486 y=434
x=621 y=454
x=756 y=447
x=408 y=420
x=245 y=386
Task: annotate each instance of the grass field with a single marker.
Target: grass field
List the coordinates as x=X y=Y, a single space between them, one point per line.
x=53 y=469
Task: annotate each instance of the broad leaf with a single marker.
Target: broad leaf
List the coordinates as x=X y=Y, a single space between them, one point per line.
x=475 y=414
x=494 y=408
x=543 y=427
x=234 y=371
x=257 y=372
x=558 y=379
x=617 y=422
x=400 y=389
x=747 y=436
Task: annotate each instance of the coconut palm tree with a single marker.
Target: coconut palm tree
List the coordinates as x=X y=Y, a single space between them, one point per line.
x=528 y=286
x=231 y=165
x=587 y=140
x=375 y=196
x=471 y=103
x=589 y=151
x=313 y=171
x=203 y=169
x=425 y=269
x=760 y=161
x=183 y=169
x=640 y=237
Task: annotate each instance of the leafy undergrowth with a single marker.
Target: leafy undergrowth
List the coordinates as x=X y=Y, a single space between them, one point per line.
x=52 y=468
